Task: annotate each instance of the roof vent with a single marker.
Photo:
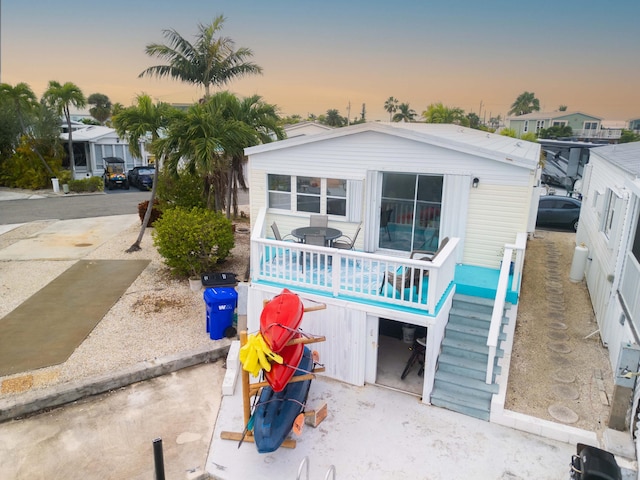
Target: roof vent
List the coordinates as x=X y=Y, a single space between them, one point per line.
x=518 y=144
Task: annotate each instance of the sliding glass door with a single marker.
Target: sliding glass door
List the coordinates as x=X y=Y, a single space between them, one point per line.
x=410 y=213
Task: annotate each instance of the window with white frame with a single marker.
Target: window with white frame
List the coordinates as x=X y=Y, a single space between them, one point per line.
x=525 y=129
x=279 y=188
x=611 y=205
x=308 y=194
x=559 y=123
x=590 y=125
x=539 y=125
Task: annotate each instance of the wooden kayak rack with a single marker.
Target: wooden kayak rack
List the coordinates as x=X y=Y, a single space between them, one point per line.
x=312 y=417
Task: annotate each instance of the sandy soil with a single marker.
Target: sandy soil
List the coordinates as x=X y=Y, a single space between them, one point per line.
x=559 y=368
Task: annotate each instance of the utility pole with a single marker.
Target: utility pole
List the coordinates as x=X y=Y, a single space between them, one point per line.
x=480 y=110
x=349 y=113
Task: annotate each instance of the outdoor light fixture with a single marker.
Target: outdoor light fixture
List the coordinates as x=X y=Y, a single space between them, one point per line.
x=475 y=183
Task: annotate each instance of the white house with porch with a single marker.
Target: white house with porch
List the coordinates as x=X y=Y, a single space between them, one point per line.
x=93 y=143
x=408 y=186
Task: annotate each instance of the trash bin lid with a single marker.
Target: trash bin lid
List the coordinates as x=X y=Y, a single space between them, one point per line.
x=219 y=279
x=220 y=294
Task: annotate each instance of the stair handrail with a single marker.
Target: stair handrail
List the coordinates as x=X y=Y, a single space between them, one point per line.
x=501 y=296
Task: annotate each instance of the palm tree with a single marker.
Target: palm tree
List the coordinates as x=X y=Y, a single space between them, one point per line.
x=439 y=113
x=61 y=98
x=391 y=106
x=264 y=122
x=525 y=103
x=24 y=103
x=134 y=124
x=101 y=109
x=200 y=142
x=334 y=119
x=405 y=113
x=210 y=61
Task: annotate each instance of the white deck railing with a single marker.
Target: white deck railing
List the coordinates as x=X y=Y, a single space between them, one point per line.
x=501 y=293
x=352 y=275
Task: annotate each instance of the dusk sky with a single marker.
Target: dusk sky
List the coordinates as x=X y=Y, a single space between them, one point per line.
x=324 y=55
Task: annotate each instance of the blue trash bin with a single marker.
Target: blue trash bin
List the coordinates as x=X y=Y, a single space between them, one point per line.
x=221 y=304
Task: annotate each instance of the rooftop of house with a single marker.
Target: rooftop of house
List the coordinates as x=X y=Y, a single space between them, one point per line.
x=624 y=155
x=546 y=115
x=467 y=140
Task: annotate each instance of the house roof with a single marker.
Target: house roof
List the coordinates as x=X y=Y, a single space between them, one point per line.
x=552 y=115
x=466 y=140
x=90 y=133
x=305 y=128
x=624 y=155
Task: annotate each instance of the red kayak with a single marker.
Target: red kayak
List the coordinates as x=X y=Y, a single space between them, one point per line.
x=280 y=319
x=280 y=375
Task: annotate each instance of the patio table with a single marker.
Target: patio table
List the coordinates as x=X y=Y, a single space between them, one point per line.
x=329 y=233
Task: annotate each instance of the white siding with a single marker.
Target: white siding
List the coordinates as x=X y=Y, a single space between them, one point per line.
x=603 y=251
x=496 y=214
x=497 y=210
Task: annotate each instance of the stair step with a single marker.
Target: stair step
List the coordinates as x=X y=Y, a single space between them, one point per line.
x=473 y=386
x=470 y=313
x=486 y=302
x=479 y=410
x=466 y=363
x=468 y=330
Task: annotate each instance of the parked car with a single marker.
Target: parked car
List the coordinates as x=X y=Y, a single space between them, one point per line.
x=142 y=177
x=557 y=211
x=114 y=176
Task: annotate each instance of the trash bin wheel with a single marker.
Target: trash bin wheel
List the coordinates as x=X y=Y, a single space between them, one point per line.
x=230 y=332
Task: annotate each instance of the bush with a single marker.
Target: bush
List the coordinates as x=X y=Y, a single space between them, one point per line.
x=156 y=213
x=192 y=241
x=91 y=184
x=185 y=190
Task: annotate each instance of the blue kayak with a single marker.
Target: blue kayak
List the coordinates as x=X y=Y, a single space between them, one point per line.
x=275 y=412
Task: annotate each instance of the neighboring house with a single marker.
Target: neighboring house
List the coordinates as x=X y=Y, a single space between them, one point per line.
x=92 y=143
x=585 y=127
x=634 y=125
x=409 y=186
x=305 y=128
x=610 y=229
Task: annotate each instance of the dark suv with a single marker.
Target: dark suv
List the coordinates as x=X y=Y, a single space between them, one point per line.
x=557 y=211
x=142 y=177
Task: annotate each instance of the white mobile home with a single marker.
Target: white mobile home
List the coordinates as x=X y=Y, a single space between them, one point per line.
x=403 y=188
x=609 y=229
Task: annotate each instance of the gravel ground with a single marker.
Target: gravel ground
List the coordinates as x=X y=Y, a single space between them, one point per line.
x=157 y=316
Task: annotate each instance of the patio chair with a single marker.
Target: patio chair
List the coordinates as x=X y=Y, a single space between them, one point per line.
x=395 y=279
x=385 y=216
x=319 y=221
x=316 y=240
x=345 y=242
x=276 y=233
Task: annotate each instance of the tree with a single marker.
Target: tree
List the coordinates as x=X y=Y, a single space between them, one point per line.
x=135 y=123
x=101 y=109
x=556 y=131
x=629 y=136
x=200 y=141
x=210 y=61
x=495 y=121
x=405 y=113
x=262 y=119
x=334 y=119
x=438 y=113
x=391 y=106
x=562 y=108
x=24 y=104
x=61 y=98
x=525 y=103
x=473 y=120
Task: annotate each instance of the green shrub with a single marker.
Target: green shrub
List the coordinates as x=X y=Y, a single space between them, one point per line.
x=185 y=190
x=192 y=241
x=91 y=184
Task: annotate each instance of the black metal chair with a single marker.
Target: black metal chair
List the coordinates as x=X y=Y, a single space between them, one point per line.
x=385 y=216
x=418 y=352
